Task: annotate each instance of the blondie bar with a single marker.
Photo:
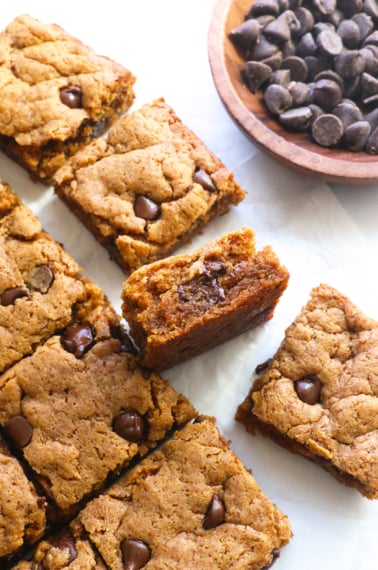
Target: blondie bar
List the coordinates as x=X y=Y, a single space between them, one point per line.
x=148 y=188
x=80 y=409
x=319 y=395
x=185 y=304
x=22 y=509
x=56 y=94
x=191 y=504
x=41 y=288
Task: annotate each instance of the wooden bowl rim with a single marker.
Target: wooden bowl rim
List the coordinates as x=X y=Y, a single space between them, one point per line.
x=332 y=165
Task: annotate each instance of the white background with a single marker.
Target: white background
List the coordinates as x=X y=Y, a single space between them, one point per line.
x=322 y=233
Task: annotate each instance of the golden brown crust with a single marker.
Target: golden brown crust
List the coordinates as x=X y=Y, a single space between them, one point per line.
x=334 y=342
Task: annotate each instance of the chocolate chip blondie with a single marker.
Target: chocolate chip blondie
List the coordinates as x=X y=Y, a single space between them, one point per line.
x=148 y=188
x=191 y=504
x=22 y=509
x=56 y=94
x=185 y=304
x=79 y=408
x=319 y=395
x=41 y=288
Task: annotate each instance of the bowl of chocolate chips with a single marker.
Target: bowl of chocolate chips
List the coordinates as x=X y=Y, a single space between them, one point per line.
x=300 y=78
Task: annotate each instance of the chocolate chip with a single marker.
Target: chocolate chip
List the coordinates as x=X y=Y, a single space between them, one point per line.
x=246 y=35
x=255 y=74
x=77 y=339
x=19 y=430
x=327 y=130
x=263 y=49
x=10 y=295
x=348 y=112
x=71 y=96
x=262 y=7
x=279 y=29
x=329 y=43
x=146 y=208
x=308 y=389
x=356 y=135
x=298 y=118
x=297 y=66
x=65 y=541
x=126 y=342
x=275 y=554
x=327 y=94
x=277 y=98
x=215 y=513
x=129 y=425
x=40 y=279
x=263 y=366
x=200 y=176
x=136 y=553
x=349 y=64
x=349 y=33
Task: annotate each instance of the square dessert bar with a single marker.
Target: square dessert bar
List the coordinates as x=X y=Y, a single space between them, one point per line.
x=319 y=395
x=41 y=288
x=185 y=304
x=79 y=409
x=148 y=188
x=56 y=94
x=191 y=504
x=68 y=548
x=22 y=509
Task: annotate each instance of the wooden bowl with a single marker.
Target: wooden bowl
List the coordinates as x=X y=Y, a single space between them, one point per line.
x=295 y=149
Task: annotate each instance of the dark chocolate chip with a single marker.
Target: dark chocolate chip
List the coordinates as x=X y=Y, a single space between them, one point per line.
x=351 y=7
x=356 y=135
x=246 y=35
x=329 y=43
x=279 y=29
x=65 y=541
x=262 y=7
x=306 y=45
x=327 y=130
x=325 y=7
x=297 y=66
x=263 y=49
x=263 y=366
x=349 y=64
x=200 y=176
x=348 y=112
x=215 y=513
x=371 y=146
x=136 y=553
x=349 y=33
x=126 y=342
x=146 y=208
x=255 y=74
x=364 y=23
x=300 y=92
x=275 y=554
x=129 y=425
x=327 y=94
x=40 y=279
x=277 y=98
x=297 y=118
x=10 y=295
x=78 y=339
x=71 y=96
x=306 y=20
x=308 y=389
x=19 y=430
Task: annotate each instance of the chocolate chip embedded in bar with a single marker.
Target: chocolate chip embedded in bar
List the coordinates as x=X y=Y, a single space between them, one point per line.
x=190 y=504
x=65 y=94
x=169 y=185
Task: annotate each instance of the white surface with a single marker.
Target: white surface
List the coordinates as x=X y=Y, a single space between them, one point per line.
x=321 y=233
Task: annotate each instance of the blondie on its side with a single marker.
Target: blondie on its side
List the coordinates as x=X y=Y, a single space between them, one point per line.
x=22 y=509
x=56 y=94
x=319 y=395
x=147 y=189
x=191 y=504
x=183 y=305
x=80 y=409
